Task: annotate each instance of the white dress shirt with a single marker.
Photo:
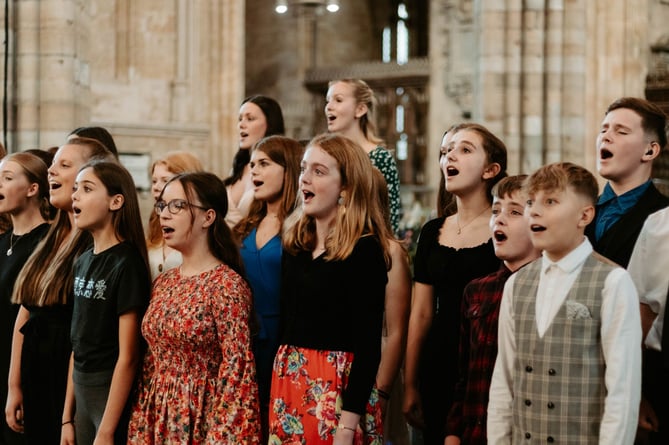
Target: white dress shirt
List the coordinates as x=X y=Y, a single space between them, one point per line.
x=649 y=268
x=620 y=334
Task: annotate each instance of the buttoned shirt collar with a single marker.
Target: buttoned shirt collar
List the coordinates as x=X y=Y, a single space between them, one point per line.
x=570 y=261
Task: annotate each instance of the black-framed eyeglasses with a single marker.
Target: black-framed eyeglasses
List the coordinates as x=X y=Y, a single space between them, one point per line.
x=174 y=206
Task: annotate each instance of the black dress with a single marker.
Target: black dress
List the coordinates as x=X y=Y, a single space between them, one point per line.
x=10 y=266
x=447 y=270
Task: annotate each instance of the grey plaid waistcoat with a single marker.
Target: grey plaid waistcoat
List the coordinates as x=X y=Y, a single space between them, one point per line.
x=559 y=379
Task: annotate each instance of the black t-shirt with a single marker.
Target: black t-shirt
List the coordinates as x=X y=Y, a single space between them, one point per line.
x=10 y=266
x=106 y=285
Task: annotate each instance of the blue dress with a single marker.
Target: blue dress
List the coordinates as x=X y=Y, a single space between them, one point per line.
x=263 y=271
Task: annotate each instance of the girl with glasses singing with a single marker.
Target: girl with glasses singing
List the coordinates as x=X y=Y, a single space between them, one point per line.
x=198 y=382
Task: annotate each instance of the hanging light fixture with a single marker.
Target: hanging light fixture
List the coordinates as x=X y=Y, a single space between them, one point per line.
x=281 y=6
x=332 y=6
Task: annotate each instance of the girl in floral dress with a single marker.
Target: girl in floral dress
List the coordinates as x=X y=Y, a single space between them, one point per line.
x=198 y=384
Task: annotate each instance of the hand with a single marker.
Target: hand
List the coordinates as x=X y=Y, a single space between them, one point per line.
x=412 y=408
x=104 y=438
x=452 y=440
x=647 y=418
x=14 y=409
x=67 y=434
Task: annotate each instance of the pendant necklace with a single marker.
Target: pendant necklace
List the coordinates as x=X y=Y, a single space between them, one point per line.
x=457 y=220
x=162 y=251
x=12 y=242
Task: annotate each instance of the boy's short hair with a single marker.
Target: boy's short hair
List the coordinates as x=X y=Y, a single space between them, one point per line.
x=653 y=119
x=508 y=186
x=560 y=175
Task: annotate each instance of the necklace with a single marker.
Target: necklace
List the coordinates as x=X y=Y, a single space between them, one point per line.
x=162 y=251
x=10 y=251
x=457 y=220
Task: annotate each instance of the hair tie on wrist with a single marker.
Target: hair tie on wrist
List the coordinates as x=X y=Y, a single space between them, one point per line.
x=67 y=422
x=344 y=427
x=383 y=394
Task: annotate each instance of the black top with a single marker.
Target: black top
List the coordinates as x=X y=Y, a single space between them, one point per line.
x=338 y=306
x=106 y=285
x=10 y=266
x=448 y=271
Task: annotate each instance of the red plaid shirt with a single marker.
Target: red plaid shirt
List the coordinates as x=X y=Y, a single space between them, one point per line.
x=478 y=351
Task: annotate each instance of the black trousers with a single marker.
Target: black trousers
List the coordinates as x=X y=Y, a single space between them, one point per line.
x=655 y=389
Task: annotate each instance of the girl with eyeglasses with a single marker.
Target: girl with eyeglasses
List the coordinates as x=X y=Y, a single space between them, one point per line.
x=161 y=256
x=198 y=380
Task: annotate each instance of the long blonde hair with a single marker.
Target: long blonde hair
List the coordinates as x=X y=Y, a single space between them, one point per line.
x=358 y=215
x=363 y=94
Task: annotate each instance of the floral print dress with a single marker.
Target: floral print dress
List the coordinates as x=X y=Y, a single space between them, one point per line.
x=383 y=160
x=198 y=383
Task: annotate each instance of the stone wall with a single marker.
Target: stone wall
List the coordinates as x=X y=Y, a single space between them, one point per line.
x=171 y=75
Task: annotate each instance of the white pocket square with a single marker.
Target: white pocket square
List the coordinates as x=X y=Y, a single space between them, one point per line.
x=577 y=311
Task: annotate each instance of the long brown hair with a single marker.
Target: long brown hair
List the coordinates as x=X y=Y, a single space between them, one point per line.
x=127 y=221
x=287 y=153
x=495 y=152
x=209 y=190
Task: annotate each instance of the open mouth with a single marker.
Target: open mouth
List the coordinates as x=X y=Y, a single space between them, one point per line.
x=258 y=183
x=452 y=171
x=331 y=117
x=499 y=236
x=76 y=210
x=306 y=196
x=167 y=230
x=243 y=135
x=2 y=196
x=55 y=186
x=537 y=228
x=605 y=154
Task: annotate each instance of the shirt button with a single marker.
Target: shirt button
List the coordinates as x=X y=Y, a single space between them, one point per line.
x=528 y=368
x=528 y=402
x=551 y=371
x=551 y=405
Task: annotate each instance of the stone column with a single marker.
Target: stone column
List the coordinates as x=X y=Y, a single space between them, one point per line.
x=547 y=69
x=52 y=83
x=227 y=73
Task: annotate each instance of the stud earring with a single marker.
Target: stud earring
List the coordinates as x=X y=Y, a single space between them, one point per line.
x=340 y=201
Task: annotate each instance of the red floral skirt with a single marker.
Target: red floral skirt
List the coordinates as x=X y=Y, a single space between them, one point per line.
x=305 y=398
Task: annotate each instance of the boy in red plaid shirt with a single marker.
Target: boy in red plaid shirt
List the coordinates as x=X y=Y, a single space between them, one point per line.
x=466 y=421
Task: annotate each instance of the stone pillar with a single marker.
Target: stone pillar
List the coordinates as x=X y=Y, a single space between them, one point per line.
x=52 y=83
x=227 y=88
x=547 y=69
